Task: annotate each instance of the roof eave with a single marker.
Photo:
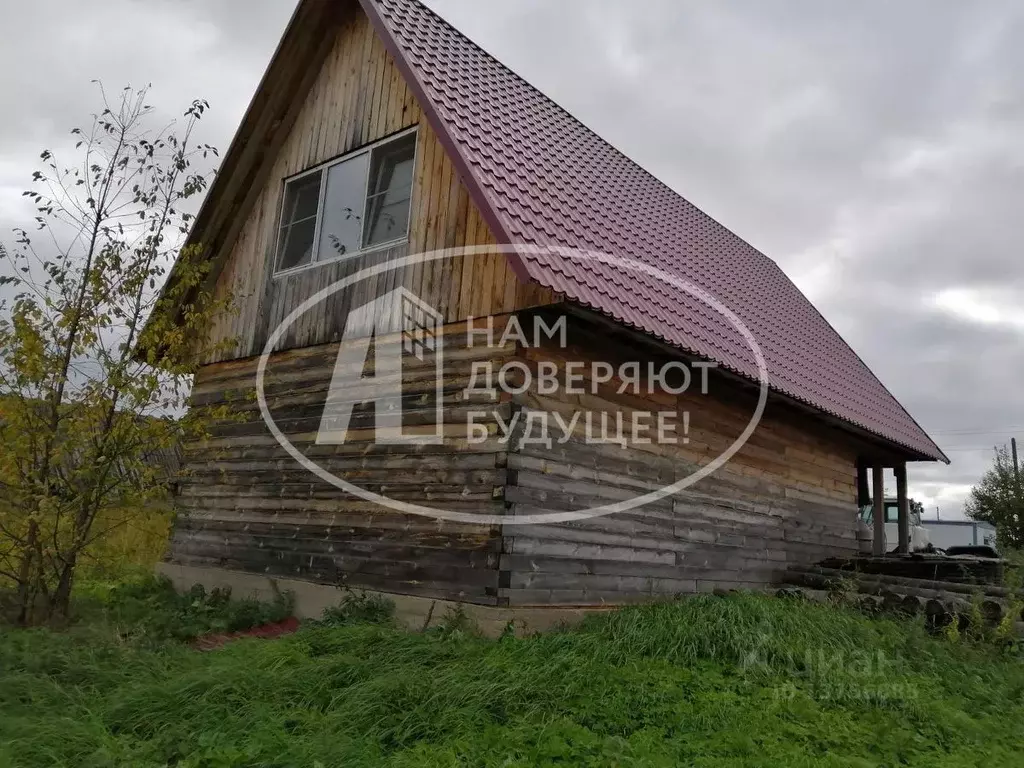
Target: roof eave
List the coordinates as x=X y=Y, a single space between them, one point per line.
x=895 y=448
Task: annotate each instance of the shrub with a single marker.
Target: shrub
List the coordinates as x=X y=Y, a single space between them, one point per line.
x=151 y=609
x=359 y=608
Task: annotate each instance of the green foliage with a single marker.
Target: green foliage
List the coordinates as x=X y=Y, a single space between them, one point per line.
x=147 y=612
x=359 y=608
x=972 y=626
x=93 y=361
x=738 y=681
x=135 y=540
x=844 y=592
x=457 y=624
x=152 y=608
x=998 y=499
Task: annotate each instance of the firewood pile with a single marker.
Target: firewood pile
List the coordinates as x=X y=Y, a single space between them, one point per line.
x=939 y=601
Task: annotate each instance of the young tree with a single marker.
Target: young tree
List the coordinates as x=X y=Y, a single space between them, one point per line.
x=998 y=499
x=88 y=390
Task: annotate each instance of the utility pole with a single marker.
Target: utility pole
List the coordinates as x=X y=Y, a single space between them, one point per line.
x=1016 y=467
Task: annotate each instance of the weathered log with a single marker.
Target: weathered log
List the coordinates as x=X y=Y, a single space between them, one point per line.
x=940 y=606
x=874 y=585
x=992 y=611
x=912 y=605
x=946 y=586
x=892 y=602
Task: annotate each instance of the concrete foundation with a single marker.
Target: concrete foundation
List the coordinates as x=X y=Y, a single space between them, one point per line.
x=414 y=613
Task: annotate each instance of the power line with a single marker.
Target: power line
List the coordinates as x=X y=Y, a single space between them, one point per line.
x=999 y=431
x=966 y=450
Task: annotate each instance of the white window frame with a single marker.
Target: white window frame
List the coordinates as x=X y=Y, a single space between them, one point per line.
x=324 y=168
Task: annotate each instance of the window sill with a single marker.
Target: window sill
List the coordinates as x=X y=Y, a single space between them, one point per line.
x=282 y=273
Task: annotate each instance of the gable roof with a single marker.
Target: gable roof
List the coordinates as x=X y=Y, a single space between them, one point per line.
x=541 y=177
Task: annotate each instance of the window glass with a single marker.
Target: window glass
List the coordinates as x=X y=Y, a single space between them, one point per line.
x=343 y=208
x=387 y=206
x=358 y=202
x=298 y=221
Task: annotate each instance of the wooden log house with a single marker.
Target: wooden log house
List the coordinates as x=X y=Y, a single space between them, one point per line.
x=379 y=131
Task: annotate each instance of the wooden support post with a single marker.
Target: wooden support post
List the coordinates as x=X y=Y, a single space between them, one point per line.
x=878 y=510
x=863 y=485
x=904 y=508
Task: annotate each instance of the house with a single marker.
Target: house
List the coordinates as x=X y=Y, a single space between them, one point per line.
x=960 y=533
x=380 y=133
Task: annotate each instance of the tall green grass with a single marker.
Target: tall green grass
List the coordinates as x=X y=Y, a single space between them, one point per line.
x=738 y=681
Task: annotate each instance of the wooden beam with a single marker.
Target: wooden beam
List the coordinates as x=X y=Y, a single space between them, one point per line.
x=904 y=508
x=878 y=513
x=863 y=487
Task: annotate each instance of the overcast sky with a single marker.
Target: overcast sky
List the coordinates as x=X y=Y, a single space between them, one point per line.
x=875 y=150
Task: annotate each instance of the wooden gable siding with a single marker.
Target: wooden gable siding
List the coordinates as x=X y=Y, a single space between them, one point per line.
x=788 y=496
x=358 y=98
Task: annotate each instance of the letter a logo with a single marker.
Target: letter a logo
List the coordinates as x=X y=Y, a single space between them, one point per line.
x=403 y=332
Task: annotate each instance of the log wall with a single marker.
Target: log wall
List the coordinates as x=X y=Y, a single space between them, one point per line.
x=246 y=505
x=787 y=497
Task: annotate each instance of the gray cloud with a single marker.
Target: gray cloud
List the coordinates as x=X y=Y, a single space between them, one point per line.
x=872 y=149
x=185 y=48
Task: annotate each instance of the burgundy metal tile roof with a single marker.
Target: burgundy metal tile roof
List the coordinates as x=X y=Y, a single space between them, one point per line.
x=542 y=177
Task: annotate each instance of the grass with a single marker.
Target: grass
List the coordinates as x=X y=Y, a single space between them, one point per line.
x=710 y=681
x=148 y=612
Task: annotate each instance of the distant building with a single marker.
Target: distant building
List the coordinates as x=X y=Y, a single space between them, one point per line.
x=952 y=533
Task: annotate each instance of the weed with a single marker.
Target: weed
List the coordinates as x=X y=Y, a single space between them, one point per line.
x=457 y=624
x=359 y=608
x=148 y=609
x=843 y=592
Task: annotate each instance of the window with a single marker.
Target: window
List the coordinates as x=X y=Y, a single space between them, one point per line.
x=892 y=513
x=301 y=200
x=347 y=205
x=390 y=190
x=342 y=218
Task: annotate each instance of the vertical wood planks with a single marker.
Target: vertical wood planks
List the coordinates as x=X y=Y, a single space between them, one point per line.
x=359 y=97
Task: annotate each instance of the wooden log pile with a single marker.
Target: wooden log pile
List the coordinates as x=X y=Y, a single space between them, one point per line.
x=940 y=602
x=963 y=570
